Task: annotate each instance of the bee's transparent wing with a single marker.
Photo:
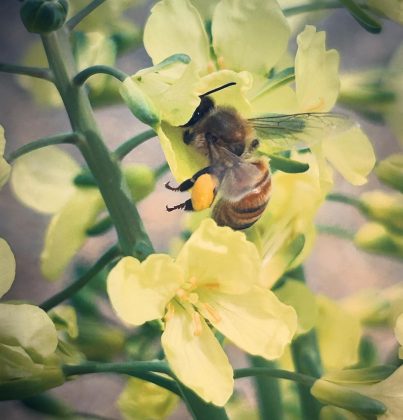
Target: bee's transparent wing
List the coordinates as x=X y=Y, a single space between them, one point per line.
x=295 y=131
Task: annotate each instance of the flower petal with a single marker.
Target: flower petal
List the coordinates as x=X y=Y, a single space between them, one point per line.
x=184 y=161
x=255 y=321
x=399 y=334
x=316 y=72
x=7 y=267
x=29 y=327
x=42 y=179
x=195 y=355
x=140 y=292
x=352 y=154
x=66 y=232
x=176 y=27
x=335 y=325
x=220 y=257
x=249 y=35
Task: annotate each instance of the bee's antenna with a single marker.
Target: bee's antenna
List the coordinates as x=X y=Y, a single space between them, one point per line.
x=217 y=89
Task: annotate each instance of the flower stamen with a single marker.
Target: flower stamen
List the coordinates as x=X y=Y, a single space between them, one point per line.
x=197 y=325
x=212 y=312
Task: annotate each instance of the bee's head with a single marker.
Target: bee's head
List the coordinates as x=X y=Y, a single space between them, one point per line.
x=205 y=106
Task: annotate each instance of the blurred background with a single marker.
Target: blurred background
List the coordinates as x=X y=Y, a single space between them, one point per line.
x=336 y=268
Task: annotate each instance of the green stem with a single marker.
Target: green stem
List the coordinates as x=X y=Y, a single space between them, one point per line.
x=361 y=16
x=84 y=12
x=83 y=75
x=268 y=391
x=300 y=378
x=104 y=167
x=67 y=138
x=74 y=287
x=346 y=199
x=142 y=370
x=198 y=408
x=38 y=72
x=126 y=147
x=312 y=7
x=336 y=231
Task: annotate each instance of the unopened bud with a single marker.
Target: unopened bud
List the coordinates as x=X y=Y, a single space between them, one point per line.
x=384 y=208
x=140 y=180
x=390 y=171
x=139 y=103
x=42 y=16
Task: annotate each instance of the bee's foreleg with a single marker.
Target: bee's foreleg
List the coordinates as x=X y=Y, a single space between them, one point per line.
x=188 y=183
x=188 y=137
x=187 y=206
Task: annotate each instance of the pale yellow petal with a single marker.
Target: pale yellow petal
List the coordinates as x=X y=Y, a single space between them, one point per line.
x=256 y=321
x=66 y=232
x=300 y=297
x=195 y=356
x=7 y=267
x=220 y=258
x=183 y=160
x=352 y=154
x=139 y=292
x=336 y=325
x=176 y=27
x=399 y=333
x=43 y=179
x=29 y=327
x=250 y=35
x=316 y=72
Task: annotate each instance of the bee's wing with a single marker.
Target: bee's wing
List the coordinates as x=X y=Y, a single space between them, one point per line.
x=294 y=131
x=238 y=179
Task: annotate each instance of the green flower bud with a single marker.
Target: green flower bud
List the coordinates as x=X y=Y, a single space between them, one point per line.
x=42 y=16
x=390 y=171
x=139 y=103
x=46 y=378
x=384 y=208
x=343 y=397
x=140 y=180
x=373 y=237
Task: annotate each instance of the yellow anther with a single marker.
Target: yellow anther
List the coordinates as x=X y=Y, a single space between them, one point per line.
x=220 y=62
x=213 y=286
x=210 y=67
x=197 y=325
x=213 y=312
x=170 y=312
x=180 y=293
x=193 y=298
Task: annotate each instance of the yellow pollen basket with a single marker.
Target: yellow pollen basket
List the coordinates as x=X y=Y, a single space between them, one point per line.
x=203 y=193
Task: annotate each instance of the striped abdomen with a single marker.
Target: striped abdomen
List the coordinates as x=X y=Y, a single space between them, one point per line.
x=245 y=212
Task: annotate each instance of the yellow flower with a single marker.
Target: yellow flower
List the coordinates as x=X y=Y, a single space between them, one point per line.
x=27 y=338
x=213 y=279
x=143 y=400
x=399 y=334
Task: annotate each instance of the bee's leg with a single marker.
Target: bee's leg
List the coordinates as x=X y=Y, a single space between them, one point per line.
x=188 y=137
x=188 y=183
x=187 y=206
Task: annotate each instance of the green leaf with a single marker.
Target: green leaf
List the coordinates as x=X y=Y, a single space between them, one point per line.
x=362 y=17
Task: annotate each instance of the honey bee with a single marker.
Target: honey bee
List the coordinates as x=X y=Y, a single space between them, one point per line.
x=237 y=181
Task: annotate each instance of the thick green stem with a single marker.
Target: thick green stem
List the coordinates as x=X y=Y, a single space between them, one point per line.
x=74 y=287
x=67 y=138
x=312 y=7
x=104 y=167
x=126 y=147
x=268 y=391
x=199 y=409
x=81 y=77
x=83 y=13
x=38 y=72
